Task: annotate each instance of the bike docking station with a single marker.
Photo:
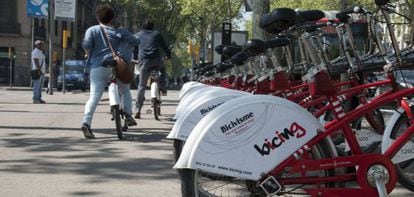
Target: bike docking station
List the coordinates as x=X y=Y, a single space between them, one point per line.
x=293 y=133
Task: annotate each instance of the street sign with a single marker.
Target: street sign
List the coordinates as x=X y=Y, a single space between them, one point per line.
x=65 y=9
x=37 y=8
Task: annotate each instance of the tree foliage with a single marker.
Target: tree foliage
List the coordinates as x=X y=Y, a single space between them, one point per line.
x=183 y=20
x=319 y=4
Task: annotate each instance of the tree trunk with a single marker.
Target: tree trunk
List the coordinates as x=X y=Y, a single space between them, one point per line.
x=259 y=8
x=344 y=4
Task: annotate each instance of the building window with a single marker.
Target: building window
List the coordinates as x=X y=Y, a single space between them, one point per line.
x=39 y=28
x=8 y=17
x=56 y=27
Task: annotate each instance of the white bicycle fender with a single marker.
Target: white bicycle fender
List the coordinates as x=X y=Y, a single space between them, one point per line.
x=113 y=95
x=187 y=86
x=248 y=136
x=154 y=90
x=407 y=151
x=197 y=110
x=195 y=95
x=190 y=93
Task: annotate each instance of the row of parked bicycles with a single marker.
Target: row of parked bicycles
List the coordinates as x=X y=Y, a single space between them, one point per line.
x=263 y=124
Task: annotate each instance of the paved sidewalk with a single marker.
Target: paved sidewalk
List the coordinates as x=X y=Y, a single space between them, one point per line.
x=43 y=152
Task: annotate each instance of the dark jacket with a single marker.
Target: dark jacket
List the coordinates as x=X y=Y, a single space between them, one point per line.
x=151 y=41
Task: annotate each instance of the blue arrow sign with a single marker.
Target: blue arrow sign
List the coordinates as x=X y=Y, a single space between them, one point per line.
x=37 y=8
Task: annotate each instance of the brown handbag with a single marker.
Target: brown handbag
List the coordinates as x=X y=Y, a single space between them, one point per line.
x=123 y=71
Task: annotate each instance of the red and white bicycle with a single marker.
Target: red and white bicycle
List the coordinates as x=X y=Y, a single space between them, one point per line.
x=260 y=145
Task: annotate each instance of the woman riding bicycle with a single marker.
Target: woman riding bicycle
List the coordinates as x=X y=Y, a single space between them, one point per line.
x=98 y=52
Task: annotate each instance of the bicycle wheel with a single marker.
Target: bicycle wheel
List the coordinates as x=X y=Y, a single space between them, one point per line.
x=177 y=148
x=196 y=183
x=156 y=108
x=116 y=116
x=373 y=122
x=405 y=169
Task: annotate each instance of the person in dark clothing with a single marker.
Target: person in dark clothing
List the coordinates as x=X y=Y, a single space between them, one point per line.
x=149 y=57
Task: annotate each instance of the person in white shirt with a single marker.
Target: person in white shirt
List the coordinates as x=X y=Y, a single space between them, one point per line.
x=38 y=64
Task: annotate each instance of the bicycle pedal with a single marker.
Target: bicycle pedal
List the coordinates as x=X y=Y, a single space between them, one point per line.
x=270 y=186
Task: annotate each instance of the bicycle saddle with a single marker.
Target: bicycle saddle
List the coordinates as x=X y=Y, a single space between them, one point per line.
x=255 y=46
x=278 y=20
x=222 y=67
x=239 y=58
x=372 y=63
x=208 y=68
x=278 y=42
x=219 y=49
x=231 y=50
x=338 y=66
x=309 y=15
x=202 y=65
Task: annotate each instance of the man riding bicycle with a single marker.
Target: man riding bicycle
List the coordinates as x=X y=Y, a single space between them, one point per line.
x=149 y=56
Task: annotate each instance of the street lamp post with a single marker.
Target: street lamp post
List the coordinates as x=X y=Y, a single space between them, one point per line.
x=51 y=29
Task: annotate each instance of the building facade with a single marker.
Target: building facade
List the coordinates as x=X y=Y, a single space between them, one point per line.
x=17 y=30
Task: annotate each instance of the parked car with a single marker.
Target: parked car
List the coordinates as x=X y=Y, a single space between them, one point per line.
x=76 y=75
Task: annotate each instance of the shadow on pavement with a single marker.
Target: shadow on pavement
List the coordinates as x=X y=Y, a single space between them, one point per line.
x=85 y=193
x=41 y=128
x=145 y=136
x=48 y=103
x=46 y=112
x=101 y=159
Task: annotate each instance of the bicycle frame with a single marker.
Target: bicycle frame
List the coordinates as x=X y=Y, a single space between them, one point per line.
x=300 y=162
x=312 y=165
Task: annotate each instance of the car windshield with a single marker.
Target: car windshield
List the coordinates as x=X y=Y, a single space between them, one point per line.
x=74 y=66
x=74 y=69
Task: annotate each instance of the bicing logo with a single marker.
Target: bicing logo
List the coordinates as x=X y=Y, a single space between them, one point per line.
x=295 y=131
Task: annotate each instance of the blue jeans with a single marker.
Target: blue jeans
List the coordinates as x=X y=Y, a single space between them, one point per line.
x=99 y=77
x=37 y=88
